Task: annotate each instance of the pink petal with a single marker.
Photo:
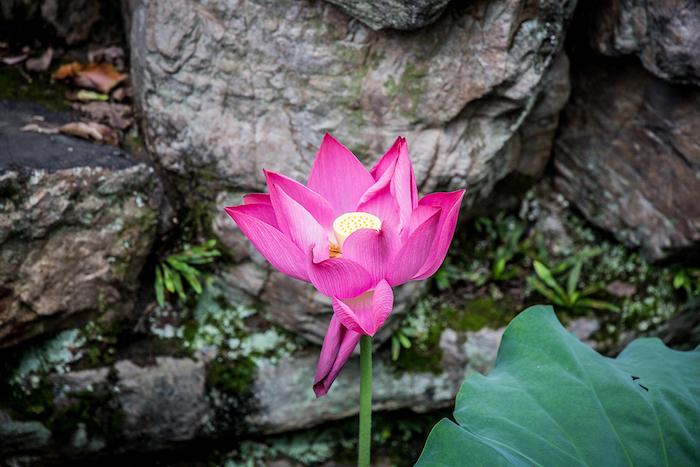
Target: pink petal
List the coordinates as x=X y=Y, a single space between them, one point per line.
x=394 y=194
x=418 y=216
x=257 y=198
x=414 y=252
x=367 y=313
x=337 y=348
x=263 y=212
x=279 y=250
x=449 y=203
x=338 y=277
x=309 y=199
x=338 y=176
x=296 y=222
x=372 y=250
x=382 y=204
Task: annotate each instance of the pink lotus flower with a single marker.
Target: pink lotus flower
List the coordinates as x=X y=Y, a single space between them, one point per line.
x=352 y=233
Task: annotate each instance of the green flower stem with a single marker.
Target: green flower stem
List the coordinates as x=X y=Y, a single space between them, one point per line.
x=365 y=436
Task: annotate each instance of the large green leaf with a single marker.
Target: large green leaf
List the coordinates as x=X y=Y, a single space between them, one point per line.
x=553 y=401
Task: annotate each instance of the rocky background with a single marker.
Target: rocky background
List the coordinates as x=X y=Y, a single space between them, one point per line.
x=138 y=325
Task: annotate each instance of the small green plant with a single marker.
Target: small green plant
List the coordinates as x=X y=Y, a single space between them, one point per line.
x=687 y=279
x=507 y=233
x=569 y=297
x=182 y=268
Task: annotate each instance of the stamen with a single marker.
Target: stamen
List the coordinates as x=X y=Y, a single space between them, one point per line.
x=350 y=222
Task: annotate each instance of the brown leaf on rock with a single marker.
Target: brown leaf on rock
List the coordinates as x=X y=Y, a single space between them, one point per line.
x=113 y=54
x=67 y=70
x=122 y=93
x=101 y=77
x=14 y=60
x=36 y=128
x=115 y=115
x=40 y=63
x=91 y=130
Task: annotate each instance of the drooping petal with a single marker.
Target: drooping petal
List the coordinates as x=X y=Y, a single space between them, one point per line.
x=372 y=250
x=414 y=252
x=279 y=250
x=338 y=277
x=309 y=199
x=449 y=204
x=337 y=348
x=298 y=223
x=257 y=198
x=338 y=176
x=366 y=314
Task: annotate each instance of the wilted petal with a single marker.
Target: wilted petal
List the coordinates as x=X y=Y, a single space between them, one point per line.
x=338 y=277
x=279 y=250
x=257 y=198
x=449 y=204
x=297 y=222
x=372 y=250
x=309 y=199
x=338 y=176
x=337 y=348
x=414 y=252
x=366 y=314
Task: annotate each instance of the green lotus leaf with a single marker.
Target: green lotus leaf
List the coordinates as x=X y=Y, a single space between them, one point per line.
x=553 y=401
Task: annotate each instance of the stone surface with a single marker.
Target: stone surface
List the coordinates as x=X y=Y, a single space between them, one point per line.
x=77 y=221
x=393 y=14
x=628 y=157
x=167 y=402
x=228 y=88
x=664 y=34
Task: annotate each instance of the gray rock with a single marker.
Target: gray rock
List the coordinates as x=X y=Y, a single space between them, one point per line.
x=628 y=157
x=77 y=221
x=164 y=403
x=167 y=402
x=393 y=14
x=664 y=34
x=228 y=88
x=20 y=436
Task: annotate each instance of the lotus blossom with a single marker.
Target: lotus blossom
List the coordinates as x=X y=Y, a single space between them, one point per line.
x=352 y=233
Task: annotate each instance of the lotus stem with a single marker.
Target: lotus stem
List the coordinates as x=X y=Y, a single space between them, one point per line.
x=365 y=435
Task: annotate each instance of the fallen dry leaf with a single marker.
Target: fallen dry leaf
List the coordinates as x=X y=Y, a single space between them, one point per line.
x=40 y=63
x=86 y=96
x=113 y=54
x=115 y=115
x=101 y=77
x=36 y=128
x=67 y=70
x=14 y=60
x=91 y=130
x=122 y=93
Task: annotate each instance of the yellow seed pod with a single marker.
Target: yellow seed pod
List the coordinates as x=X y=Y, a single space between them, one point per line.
x=350 y=222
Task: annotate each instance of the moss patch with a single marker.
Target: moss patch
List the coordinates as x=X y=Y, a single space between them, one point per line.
x=15 y=87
